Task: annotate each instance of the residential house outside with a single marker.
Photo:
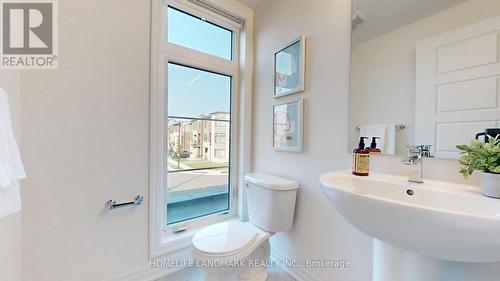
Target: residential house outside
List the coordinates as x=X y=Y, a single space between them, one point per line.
x=204 y=140
x=198 y=165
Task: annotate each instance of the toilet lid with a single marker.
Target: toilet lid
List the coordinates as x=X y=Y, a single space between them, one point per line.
x=223 y=238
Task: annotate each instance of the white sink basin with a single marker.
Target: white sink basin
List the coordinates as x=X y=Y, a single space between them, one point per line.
x=442 y=220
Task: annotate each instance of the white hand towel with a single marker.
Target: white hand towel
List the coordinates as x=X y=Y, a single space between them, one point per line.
x=11 y=166
x=390 y=140
x=386 y=133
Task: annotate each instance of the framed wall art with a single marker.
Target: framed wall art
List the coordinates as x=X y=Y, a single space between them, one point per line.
x=289 y=68
x=288 y=126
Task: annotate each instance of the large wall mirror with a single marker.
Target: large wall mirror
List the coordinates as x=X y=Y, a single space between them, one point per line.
x=424 y=72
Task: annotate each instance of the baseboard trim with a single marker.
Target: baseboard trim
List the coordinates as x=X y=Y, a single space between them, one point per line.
x=298 y=273
x=149 y=273
x=153 y=273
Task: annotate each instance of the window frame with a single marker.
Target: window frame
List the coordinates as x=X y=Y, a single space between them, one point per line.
x=231 y=212
x=180 y=55
x=163 y=240
x=207 y=18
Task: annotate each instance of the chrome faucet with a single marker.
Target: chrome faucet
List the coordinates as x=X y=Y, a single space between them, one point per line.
x=414 y=160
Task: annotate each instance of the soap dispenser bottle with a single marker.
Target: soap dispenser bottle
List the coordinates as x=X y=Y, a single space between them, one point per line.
x=373 y=146
x=361 y=159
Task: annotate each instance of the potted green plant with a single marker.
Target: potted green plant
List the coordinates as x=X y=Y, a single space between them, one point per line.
x=484 y=157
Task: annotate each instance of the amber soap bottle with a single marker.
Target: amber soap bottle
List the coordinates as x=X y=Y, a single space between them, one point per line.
x=361 y=159
x=373 y=146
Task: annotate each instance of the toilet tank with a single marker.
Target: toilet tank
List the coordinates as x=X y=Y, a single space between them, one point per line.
x=271 y=201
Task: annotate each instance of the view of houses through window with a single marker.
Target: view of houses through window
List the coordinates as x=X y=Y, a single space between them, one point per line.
x=198 y=143
x=199 y=116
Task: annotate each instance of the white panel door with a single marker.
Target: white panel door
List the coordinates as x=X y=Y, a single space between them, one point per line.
x=457 y=86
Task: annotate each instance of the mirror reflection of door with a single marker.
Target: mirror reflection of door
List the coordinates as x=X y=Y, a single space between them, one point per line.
x=430 y=65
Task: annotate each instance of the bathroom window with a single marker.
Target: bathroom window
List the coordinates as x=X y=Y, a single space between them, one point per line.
x=198 y=99
x=199 y=178
x=205 y=36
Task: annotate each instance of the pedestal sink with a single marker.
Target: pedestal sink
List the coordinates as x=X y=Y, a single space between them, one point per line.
x=428 y=222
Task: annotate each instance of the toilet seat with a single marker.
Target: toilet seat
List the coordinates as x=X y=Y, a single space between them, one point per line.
x=228 y=239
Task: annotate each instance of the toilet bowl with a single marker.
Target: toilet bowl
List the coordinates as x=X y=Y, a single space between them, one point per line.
x=240 y=251
x=232 y=251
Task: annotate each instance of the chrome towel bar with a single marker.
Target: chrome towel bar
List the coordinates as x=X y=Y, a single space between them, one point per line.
x=111 y=204
x=398 y=126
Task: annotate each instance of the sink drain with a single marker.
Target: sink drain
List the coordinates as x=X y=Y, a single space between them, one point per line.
x=410 y=192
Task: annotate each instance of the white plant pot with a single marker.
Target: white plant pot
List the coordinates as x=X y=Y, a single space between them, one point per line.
x=490 y=185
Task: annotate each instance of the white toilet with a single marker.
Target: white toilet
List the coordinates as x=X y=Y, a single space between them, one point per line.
x=237 y=251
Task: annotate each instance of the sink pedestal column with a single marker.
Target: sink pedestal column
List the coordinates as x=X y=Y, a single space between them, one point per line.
x=395 y=264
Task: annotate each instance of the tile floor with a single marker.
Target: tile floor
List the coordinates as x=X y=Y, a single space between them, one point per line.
x=194 y=274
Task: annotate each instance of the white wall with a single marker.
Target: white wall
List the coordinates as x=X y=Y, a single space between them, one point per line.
x=383 y=81
x=85 y=141
x=10 y=226
x=319 y=231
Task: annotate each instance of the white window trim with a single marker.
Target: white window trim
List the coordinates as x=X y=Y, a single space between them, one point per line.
x=181 y=55
x=162 y=242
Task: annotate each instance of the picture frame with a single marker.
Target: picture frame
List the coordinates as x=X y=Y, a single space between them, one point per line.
x=289 y=64
x=288 y=126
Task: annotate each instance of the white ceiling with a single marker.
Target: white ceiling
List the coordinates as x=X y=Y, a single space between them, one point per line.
x=384 y=16
x=252 y=3
x=387 y=15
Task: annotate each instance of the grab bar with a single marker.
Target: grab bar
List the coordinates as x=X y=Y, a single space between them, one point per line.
x=111 y=204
